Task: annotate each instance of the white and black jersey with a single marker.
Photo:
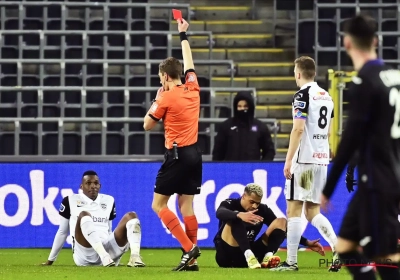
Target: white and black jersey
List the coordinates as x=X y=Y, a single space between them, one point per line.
x=102 y=210
x=313 y=104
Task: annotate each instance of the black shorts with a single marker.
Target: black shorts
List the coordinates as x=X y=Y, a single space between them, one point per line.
x=228 y=256
x=183 y=175
x=372 y=219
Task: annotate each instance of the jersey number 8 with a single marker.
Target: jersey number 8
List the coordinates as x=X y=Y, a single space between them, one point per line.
x=323 y=121
x=394 y=100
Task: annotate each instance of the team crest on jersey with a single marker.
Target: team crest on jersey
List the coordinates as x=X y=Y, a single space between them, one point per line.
x=254 y=128
x=103 y=206
x=80 y=203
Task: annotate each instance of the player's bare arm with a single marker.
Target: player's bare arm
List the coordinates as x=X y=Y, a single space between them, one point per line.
x=183 y=26
x=295 y=137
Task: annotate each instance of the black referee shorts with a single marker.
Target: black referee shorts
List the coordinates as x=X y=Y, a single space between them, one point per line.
x=183 y=175
x=372 y=220
x=228 y=256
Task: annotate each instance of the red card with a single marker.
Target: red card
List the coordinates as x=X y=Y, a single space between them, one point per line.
x=177 y=14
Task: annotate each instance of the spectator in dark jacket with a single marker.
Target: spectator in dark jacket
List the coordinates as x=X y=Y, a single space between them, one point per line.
x=243 y=137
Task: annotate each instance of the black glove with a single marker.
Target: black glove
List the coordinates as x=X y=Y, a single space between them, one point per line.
x=350 y=182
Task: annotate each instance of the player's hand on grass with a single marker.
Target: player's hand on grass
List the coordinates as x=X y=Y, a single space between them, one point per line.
x=250 y=217
x=183 y=25
x=315 y=246
x=47 y=263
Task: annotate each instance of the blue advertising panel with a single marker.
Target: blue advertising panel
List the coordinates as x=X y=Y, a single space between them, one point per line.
x=30 y=195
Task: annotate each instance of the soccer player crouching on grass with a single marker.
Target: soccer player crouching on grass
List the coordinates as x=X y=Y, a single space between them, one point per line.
x=241 y=220
x=88 y=217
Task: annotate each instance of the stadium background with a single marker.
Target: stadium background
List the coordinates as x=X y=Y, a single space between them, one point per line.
x=77 y=78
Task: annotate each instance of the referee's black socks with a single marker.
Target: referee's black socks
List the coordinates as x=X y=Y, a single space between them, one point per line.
x=355 y=263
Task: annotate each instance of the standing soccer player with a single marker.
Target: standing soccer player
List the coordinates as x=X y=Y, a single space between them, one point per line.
x=373 y=130
x=181 y=172
x=307 y=161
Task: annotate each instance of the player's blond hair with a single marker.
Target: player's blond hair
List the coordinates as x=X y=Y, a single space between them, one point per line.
x=254 y=188
x=307 y=67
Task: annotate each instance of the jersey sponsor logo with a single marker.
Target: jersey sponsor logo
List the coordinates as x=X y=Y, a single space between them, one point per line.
x=320 y=155
x=250 y=234
x=100 y=220
x=103 y=206
x=321 y=93
x=320 y=136
x=62 y=208
x=299 y=105
x=321 y=97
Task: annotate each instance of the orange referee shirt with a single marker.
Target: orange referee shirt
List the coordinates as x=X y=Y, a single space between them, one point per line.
x=179 y=108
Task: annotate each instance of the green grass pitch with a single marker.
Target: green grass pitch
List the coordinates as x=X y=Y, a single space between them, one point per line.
x=25 y=264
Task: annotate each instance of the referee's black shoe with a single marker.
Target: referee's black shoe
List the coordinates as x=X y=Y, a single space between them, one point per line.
x=192 y=266
x=188 y=257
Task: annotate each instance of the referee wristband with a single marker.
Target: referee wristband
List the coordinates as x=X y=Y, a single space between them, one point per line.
x=183 y=36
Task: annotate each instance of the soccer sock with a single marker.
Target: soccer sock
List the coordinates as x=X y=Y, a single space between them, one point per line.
x=191 y=227
x=358 y=272
x=171 y=221
x=134 y=235
x=92 y=236
x=389 y=273
x=324 y=227
x=293 y=239
x=239 y=233
x=275 y=240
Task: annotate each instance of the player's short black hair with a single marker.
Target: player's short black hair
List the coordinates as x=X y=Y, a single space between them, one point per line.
x=89 y=173
x=361 y=29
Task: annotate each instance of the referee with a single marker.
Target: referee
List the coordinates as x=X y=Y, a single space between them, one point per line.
x=373 y=130
x=181 y=172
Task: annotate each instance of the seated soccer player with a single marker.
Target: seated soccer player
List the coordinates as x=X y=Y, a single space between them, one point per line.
x=88 y=217
x=241 y=220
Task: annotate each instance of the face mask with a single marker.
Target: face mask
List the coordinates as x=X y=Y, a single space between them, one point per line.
x=243 y=114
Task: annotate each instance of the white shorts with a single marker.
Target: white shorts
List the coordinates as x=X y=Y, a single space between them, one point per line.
x=88 y=257
x=307 y=183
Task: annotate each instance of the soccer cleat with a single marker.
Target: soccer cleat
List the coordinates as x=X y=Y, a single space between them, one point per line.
x=286 y=267
x=193 y=266
x=336 y=263
x=135 y=261
x=270 y=262
x=253 y=263
x=107 y=261
x=187 y=257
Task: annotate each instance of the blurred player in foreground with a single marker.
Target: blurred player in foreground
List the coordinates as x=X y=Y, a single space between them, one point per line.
x=241 y=220
x=178 y=105
x=307 y=160
x=372 y=130
x=88 y=217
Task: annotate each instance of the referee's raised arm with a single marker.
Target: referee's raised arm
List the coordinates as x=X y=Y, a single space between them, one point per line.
x=186 y=51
